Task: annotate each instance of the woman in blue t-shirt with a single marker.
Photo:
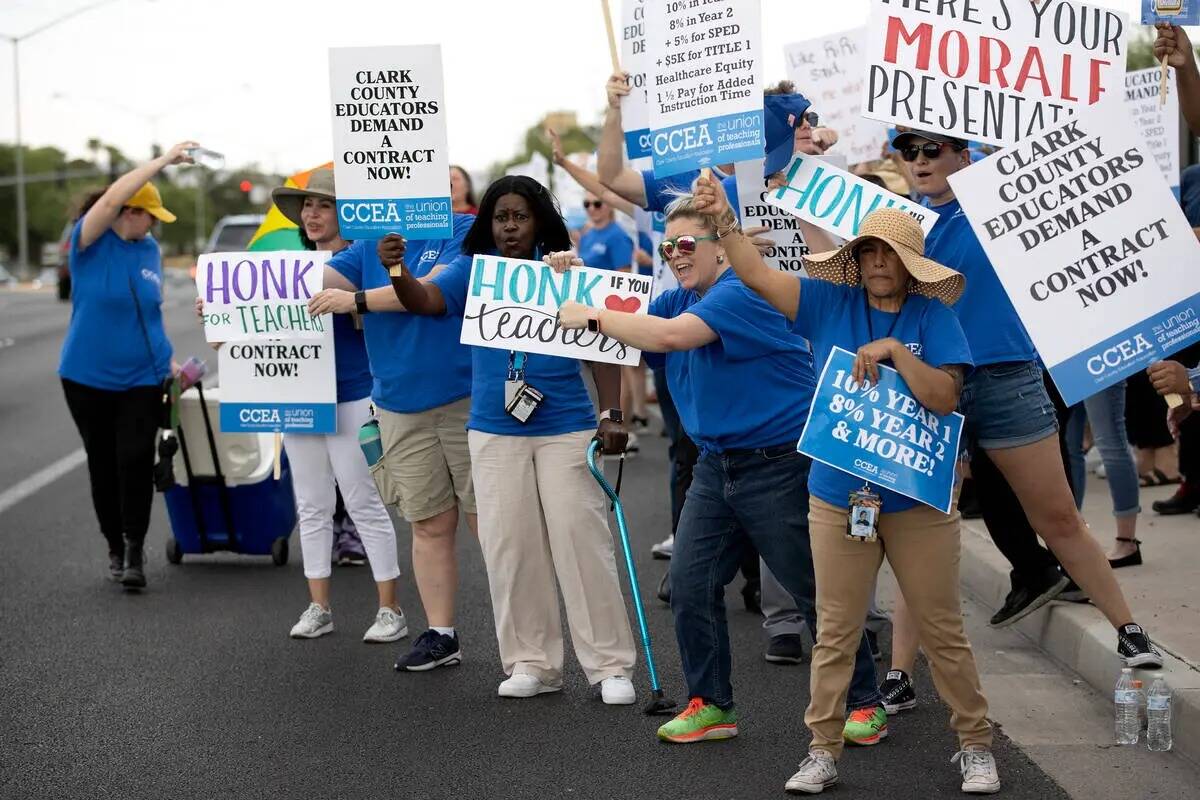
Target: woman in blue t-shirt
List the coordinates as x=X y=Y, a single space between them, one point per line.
x=116 y=355
x=742 y=383
x=322 y=464
x=542 y=518
x=877 y=296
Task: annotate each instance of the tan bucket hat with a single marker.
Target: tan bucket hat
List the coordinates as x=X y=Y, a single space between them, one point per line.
x=903 y=233
x=290 y=200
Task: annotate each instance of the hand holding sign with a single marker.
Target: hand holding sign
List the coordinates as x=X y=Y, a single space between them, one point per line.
x=391 y=250
x=866 y=361
x=1172 y=44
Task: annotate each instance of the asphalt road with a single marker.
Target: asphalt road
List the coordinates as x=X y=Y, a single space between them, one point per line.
x=193 y=689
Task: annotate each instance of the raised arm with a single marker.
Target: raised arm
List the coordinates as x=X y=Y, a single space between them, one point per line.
x=778 y=288
x=338 y=296
x=415 y=296
x=1173 y=42
x=104 y=211
x=610 y=158
x=586 y=178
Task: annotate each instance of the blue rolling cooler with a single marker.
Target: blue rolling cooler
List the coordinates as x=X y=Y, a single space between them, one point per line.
x=238 y=508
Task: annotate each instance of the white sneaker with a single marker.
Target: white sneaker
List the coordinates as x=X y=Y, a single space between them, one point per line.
x=389 y=627
x=978 y=770
x=314 y=622
x=664 y=549
x=817 y=773
x=617 y=691
x=522 y=685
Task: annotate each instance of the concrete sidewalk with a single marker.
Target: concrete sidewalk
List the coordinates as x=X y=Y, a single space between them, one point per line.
x=1163 y=594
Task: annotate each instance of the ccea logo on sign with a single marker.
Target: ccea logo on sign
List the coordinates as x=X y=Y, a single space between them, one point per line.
x=260 y=416
x=1116 y=356
x=681 y=139
x=866 y=466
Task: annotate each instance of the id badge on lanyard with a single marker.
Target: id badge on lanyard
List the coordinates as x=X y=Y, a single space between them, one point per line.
x=862 y=522
x=520 y=399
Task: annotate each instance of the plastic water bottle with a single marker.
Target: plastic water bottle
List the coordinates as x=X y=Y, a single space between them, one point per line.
x=206 y=158
x=1158 y=711
x=370 y=442
x=1125 y=698
x=191 y=372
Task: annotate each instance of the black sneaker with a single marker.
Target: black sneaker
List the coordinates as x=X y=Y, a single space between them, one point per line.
x=897 y=691
x=664 y=588
x=431 y=650
x=787 y=648
x=1134 y=646
x=1024 y=600
x=133 y=576
x=1185 y=500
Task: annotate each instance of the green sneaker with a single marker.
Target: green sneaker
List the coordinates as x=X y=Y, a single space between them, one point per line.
x=700 y=721
x=866 y=726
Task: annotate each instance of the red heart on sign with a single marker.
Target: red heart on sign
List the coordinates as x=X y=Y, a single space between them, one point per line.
x=627 y=304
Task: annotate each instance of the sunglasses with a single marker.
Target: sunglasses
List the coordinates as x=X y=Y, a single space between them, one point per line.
x=812 y=118
x=681 y=245
x=932 y=150
x=593 y=204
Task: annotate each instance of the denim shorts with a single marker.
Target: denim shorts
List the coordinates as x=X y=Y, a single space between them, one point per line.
x=1006 y=405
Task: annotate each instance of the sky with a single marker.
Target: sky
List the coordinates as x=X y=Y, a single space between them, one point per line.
x=249 y=78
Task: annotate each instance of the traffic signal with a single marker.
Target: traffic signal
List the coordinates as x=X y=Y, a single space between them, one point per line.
x=245 y=186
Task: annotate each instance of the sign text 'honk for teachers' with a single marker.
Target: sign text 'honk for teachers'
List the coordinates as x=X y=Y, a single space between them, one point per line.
x=260 y=295
x=513 y=305
x=837 y=200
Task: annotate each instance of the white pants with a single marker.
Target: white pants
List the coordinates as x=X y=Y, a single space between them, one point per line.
x=317 y=461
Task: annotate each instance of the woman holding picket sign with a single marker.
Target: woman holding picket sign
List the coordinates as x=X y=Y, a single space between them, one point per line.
x=742 y=383
x=541 y=515
x=877 y=296
x=320 y=460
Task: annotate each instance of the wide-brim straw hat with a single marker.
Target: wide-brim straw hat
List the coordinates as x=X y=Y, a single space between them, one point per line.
x=903 y=233
x=290 y=200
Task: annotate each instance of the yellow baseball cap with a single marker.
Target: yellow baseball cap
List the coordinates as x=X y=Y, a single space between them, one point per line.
x=148 y=199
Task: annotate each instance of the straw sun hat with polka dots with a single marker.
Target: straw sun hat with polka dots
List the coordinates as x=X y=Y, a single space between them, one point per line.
x=904 y=235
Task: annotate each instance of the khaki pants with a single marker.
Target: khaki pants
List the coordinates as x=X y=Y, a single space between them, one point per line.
x=542 y=517
x=923 y=547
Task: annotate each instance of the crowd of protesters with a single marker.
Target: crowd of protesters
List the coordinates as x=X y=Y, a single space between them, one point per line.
x=731 y=345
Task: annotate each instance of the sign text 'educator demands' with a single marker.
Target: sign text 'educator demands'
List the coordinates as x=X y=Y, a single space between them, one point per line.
x=1088 y=241
x=389 y=140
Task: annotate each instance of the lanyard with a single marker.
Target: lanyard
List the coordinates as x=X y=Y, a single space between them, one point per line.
x=516 y=365
x=870 y=327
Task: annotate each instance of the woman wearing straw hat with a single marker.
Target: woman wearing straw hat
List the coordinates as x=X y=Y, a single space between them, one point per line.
x=742 y=383
x=879 y=297
x=116 y=355
x=318 y=460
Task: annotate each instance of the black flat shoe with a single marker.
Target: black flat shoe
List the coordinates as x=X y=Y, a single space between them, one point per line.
x=1134 y=559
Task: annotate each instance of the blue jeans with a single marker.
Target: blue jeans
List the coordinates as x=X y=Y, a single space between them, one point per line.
x=1106 y=411
x=757 y=497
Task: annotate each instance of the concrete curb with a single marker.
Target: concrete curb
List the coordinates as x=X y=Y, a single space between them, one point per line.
x=1078 y=636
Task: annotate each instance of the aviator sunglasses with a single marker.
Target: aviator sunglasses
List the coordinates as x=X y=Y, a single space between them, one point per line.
x=682 y=245
x=593 y=204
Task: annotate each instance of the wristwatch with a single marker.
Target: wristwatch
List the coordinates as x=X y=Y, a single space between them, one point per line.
x=594 y=326
x=613 y=414
x=360 y=302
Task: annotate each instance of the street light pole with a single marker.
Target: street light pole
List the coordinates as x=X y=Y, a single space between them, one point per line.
x=22 y=226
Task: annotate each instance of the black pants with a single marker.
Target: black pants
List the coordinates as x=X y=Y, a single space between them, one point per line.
x=118 y=431
x=1002 y=513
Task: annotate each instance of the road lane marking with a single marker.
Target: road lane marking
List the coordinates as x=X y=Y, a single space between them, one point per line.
x=40 y=479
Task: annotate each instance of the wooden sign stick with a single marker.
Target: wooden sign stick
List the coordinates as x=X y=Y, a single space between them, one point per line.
x=1162 y=94
x=278 y=453
x=612 y=38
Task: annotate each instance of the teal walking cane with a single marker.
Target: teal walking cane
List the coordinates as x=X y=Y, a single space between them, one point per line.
x=658 y=704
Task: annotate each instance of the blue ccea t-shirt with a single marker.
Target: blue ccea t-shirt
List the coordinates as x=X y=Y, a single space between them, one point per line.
x=987 y=315
x=567 y=407
x=606 y=248
x=831 y=315
x=351 y=365
x=416 y=362
x=647 y=244
x=107 y=345
x=751 y=387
